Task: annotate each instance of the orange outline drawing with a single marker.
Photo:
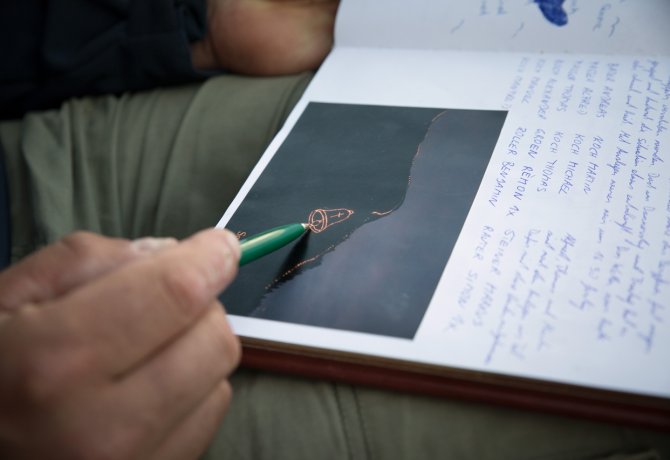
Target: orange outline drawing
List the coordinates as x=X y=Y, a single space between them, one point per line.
x=384 y=213
x=321 y=219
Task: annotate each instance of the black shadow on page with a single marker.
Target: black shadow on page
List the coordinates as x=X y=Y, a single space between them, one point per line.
x=297 y=254
x=387 y=190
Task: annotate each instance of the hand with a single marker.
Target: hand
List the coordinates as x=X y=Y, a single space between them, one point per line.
x=112 y=349
x=266 y=37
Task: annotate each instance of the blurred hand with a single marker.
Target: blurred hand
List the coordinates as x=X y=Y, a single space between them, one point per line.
x=266 y=37
x=113 y=349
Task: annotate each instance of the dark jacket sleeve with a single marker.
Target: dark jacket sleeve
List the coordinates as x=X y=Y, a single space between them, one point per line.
x=52 y=50
x=4 y=214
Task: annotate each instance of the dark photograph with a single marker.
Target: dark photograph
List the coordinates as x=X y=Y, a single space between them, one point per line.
x=385 y=191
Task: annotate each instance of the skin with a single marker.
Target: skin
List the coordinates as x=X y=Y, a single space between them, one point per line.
x=266 y=37
x=115 y=349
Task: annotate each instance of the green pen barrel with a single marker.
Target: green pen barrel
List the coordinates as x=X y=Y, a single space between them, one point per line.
x=259 y=245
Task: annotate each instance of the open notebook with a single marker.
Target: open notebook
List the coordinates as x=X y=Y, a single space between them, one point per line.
x=488 y=187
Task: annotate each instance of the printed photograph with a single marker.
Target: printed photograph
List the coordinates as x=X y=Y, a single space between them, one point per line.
x=385 y=191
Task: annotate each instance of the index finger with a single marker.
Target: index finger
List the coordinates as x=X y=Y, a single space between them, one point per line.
x=124 y=317
x=73 y=260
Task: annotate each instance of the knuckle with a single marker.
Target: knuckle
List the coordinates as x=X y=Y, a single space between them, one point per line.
x=80 y=244
x=236 y=350
x=225 y=394
x=185 y=288
x=229 y=342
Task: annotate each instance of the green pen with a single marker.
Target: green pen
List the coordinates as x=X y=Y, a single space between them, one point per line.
x=270 y=240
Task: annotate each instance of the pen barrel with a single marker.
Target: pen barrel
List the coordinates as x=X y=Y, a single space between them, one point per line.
x=259 y=245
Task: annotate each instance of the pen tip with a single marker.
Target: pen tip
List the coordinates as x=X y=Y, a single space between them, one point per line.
x=305 y=226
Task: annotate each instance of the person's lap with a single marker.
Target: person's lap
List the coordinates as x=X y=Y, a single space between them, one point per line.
x=167 y=163
x=162 y=163
x=284 y=417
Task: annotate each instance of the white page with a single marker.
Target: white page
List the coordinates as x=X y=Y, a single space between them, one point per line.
x=593 y=26
x=562 y=272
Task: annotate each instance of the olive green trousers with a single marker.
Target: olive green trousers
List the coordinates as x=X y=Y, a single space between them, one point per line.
x=167 y=163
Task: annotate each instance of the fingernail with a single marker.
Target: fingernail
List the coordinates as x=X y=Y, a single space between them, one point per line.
x=150 y=244
x=232 y=242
